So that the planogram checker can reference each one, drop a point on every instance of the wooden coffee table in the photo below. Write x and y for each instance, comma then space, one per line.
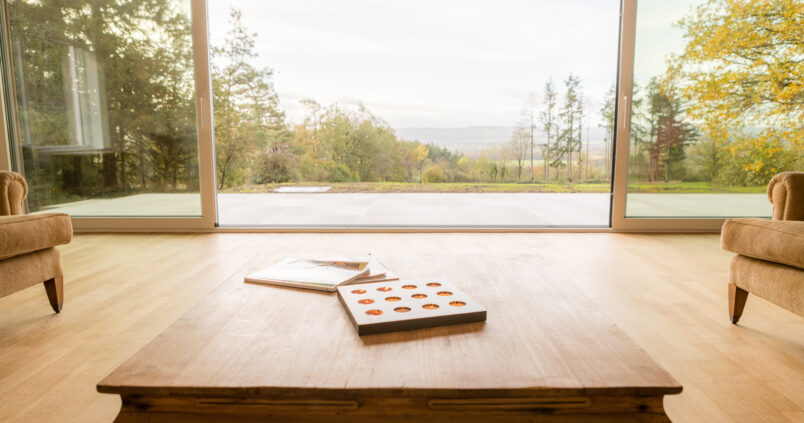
259, 353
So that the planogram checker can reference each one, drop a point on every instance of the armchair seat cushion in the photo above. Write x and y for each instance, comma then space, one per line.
22, 234
778, 241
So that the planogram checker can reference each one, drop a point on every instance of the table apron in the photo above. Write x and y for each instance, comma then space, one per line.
178, 408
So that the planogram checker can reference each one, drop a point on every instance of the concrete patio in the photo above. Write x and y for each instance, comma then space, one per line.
421, 209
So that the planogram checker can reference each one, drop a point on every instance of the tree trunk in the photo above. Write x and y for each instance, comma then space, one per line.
109, 170
587, 155
580, 150
547, 159
570, 147
142, 165
531, 145
123, 176
653, 166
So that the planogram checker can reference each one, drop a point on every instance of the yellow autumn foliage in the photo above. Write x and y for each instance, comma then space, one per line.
741, 75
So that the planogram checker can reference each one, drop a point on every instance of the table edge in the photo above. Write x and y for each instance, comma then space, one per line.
159, 391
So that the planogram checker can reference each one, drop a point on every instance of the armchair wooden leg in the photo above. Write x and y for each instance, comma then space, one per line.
55, 292
737, 297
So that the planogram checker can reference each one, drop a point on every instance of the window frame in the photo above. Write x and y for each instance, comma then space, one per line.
619, 221
206, 149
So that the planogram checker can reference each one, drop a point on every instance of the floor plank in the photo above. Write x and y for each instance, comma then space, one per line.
667, 292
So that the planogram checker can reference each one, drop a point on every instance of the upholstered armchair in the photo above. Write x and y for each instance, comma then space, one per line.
28, 254
770, 253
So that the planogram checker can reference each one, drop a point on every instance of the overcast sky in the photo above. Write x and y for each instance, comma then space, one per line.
441, 63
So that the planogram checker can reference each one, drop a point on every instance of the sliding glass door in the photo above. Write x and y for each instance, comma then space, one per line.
716, 107
414, 114
364, 114
106, 110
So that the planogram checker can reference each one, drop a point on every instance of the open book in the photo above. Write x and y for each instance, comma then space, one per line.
323, 275
377, 272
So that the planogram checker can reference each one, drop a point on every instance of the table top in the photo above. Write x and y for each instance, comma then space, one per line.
540, 335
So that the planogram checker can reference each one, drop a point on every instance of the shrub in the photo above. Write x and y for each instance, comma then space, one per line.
275, 168
339, 172
433, 175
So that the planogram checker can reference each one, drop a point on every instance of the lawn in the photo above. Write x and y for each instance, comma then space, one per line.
381, 187
694, 188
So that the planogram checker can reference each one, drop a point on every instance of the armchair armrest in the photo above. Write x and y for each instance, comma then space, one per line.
786, 193
13, 190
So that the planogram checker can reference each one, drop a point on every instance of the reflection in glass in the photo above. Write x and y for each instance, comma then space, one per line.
106, 105
717, 106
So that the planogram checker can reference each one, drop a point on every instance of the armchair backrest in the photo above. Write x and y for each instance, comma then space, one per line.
786, 193
13, 190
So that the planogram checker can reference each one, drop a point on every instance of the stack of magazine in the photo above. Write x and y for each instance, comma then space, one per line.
323, 274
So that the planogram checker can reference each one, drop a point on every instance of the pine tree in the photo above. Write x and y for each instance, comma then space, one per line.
549, 125
248, 120
569, 140
607, 122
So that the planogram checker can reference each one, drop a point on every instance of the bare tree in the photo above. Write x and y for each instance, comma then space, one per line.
517, 149
529, 123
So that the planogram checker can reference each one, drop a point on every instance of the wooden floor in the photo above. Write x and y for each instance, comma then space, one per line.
667, 292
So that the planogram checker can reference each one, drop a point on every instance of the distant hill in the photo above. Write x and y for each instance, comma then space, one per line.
474, 139
466, 135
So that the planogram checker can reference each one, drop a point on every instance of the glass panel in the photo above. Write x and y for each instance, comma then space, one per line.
106, 104
717, 106
421, 113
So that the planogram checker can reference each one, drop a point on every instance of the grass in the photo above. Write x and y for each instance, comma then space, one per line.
388, 187
399, 187
694, 188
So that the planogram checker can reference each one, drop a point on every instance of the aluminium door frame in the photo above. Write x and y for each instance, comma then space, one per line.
619, 221
207, 221
206, 150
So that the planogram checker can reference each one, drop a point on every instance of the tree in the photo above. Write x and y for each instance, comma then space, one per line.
708, 158
586, 160
549, 125
580, 110
248, 120
571, 115
142, 91
314, 115
529, 124
420, 153
741, 72
668, 133
517, 149
409, 154
607, 122
639, 131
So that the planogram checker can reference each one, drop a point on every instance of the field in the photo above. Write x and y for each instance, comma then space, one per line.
398, 187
